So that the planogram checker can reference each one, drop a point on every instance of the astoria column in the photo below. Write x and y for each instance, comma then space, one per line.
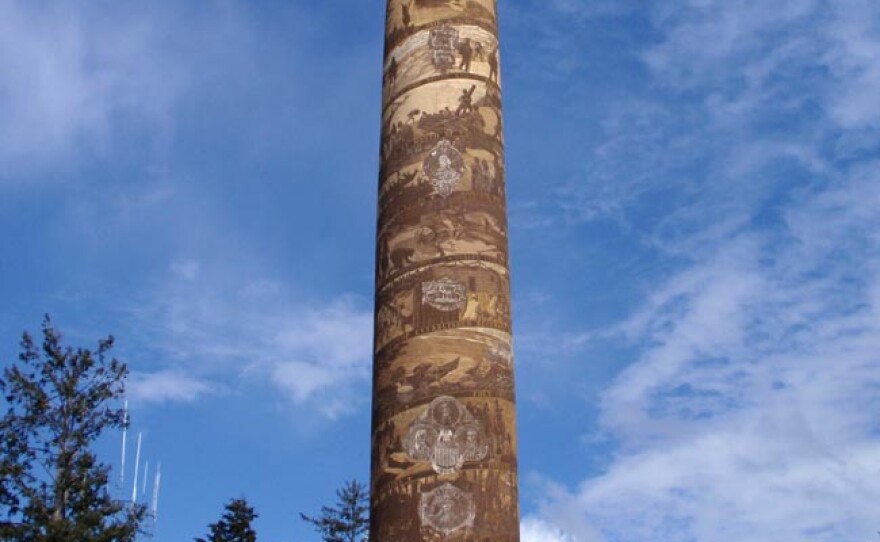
444, 435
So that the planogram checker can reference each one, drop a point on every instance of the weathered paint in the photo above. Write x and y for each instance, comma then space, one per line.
444, 427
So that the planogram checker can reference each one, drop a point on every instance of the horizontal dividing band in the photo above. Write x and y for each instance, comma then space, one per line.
500, 325
491, 465
438, 78
390, 412
436, 202
388, 282
413, 278
419, 274
387, 211
393, 39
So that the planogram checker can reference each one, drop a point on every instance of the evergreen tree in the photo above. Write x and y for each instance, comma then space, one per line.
349, 521
234, 526
52, 486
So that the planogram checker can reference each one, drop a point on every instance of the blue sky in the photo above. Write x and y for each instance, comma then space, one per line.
694, 194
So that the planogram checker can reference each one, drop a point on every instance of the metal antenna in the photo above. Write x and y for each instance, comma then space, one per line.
121, 481
155, 505
137, 462
146, 474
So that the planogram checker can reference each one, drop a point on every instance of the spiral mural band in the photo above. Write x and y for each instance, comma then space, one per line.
444, 434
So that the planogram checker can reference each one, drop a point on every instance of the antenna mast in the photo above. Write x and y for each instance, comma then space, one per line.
137, 461
155, 504
146, 474
121, 481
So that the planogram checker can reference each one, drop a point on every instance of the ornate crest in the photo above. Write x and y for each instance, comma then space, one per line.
445, 294
444, 167
447, 509
447, 435
443, 42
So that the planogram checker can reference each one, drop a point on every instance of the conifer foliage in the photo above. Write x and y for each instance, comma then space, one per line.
349, 521
235, 525
58, 401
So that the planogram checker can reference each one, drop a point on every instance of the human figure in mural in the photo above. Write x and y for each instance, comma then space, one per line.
406, 18
486, 174
465, 101
483, 178
477, 176
478, 51
467, 54
392, 69
493, 65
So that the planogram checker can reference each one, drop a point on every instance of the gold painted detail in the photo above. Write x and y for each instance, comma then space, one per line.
447, 509
447, 435
445, 294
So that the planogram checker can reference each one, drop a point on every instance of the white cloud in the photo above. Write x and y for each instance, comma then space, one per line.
536, 530
165, 386
597, 8
737, 89
67, 73
78, 79
186, 269
339, 333
336, 340
317, 355
853, 61
750, 412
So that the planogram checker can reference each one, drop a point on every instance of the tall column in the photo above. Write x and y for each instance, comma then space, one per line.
444, 434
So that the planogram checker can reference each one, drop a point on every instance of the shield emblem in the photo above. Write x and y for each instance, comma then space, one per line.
447, 457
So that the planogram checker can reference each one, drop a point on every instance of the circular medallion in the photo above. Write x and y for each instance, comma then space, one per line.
447, 509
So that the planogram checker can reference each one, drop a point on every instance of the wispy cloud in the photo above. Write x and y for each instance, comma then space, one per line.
167, 386
535, 530
68, 79
750, 409
324, 354
78, 78
218, 326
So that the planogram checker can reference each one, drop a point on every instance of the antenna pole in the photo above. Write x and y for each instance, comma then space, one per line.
121, 482
146, 474
137, 462
155, 506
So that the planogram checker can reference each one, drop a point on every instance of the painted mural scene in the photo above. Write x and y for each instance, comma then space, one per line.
320, 272
444, 426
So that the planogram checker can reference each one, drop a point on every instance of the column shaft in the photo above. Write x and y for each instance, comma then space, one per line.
444, 425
